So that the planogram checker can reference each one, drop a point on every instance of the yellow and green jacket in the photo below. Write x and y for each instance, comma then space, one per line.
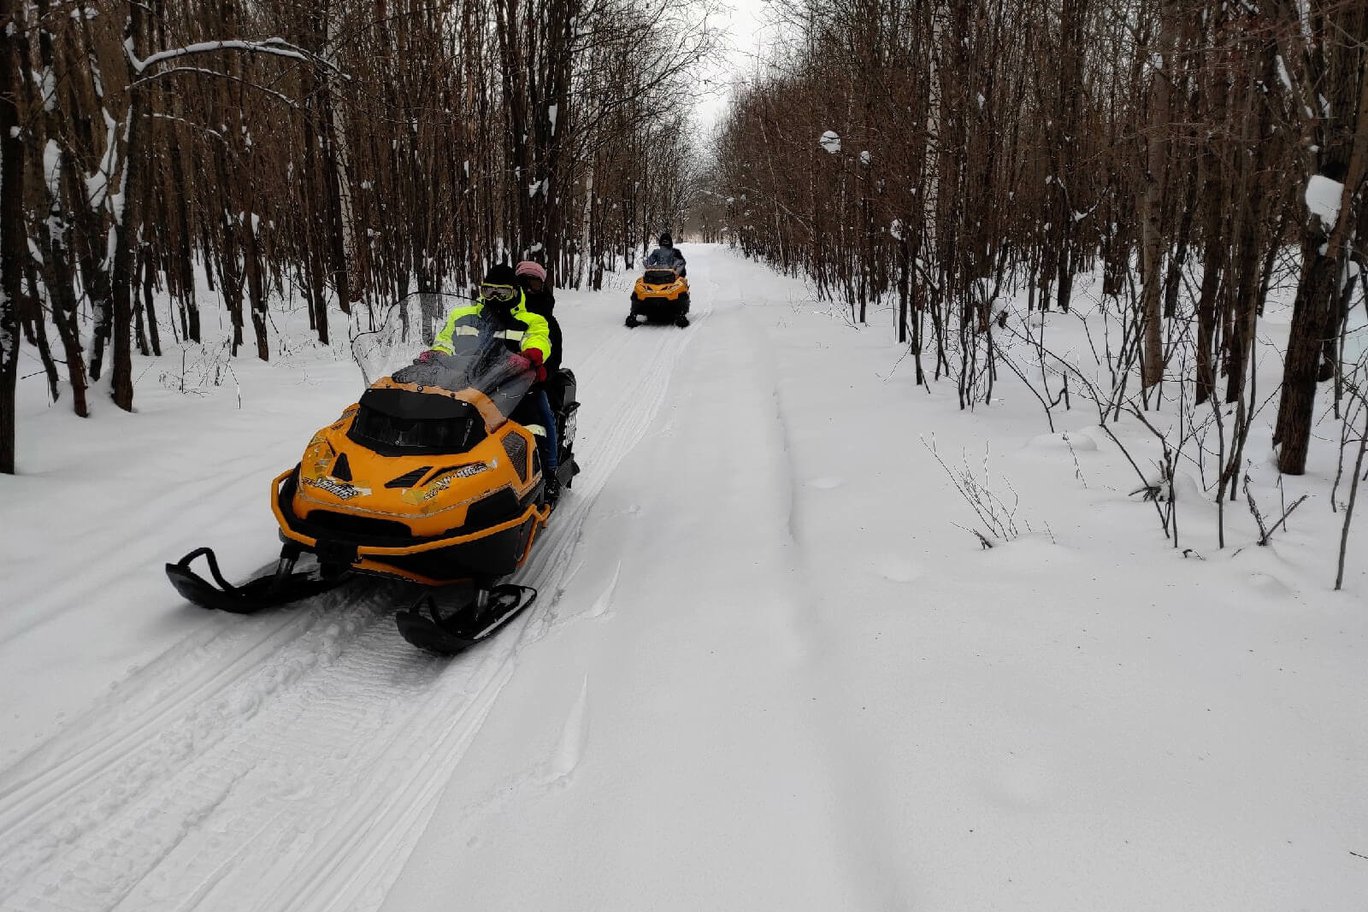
522, 329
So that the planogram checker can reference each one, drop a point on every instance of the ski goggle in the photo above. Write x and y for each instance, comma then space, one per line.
498, 292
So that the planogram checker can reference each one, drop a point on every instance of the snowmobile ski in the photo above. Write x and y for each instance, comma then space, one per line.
428, 626
279, 587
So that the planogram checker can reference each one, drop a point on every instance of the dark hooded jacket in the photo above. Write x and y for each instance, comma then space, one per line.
666, 255
543, 303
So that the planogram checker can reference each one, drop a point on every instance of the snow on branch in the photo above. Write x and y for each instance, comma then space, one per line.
278, 47
205, 71
1324, 197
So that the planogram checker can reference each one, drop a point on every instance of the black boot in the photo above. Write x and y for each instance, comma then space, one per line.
552, 488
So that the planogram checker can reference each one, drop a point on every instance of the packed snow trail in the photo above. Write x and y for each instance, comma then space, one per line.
766, 670
800, 686
287, 756
705, 773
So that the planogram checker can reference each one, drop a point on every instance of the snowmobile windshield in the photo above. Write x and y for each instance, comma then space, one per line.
384, 340
482, 371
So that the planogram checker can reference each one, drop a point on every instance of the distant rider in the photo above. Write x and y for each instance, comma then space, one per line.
501, 308
666, 255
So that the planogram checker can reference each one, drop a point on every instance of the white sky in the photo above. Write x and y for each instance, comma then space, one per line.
743, 23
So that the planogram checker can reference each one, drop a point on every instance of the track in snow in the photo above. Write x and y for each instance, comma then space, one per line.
295, 757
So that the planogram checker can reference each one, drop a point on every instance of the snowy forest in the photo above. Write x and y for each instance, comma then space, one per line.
1193, 153
343, 151
349, 151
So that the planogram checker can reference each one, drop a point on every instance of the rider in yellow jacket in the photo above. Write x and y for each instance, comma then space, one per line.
501, 310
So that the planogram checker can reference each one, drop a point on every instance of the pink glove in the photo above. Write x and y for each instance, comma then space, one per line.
519, 363
425, 357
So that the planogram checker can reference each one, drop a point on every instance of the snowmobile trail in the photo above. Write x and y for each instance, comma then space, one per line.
686, 706
767, 669
296, 756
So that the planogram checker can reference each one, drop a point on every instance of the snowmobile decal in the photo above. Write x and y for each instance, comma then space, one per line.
424, 493
340, 489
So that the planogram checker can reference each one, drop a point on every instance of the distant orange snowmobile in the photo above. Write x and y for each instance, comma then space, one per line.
428, 478
661, 295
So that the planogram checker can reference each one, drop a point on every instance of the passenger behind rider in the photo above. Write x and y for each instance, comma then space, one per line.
502, 308
667, 255
542, 301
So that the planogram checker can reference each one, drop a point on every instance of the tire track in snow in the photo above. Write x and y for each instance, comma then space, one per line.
105, 557
841, 750
119, 755
636, 407
631, 410
293, 758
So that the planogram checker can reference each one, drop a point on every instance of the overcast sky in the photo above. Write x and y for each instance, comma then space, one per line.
743, 22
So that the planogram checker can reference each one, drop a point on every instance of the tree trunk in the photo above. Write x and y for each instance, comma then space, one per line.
31, 312
1315, 312
11, 236
1151, 202
149, 272
128, 224
256, 286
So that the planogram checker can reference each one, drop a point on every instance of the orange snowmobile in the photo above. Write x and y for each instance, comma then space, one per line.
661, 295
429, 478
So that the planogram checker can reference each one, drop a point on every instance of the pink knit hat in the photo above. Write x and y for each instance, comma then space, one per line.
529, 268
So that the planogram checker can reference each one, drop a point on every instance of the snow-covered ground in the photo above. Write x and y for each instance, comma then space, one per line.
767, 671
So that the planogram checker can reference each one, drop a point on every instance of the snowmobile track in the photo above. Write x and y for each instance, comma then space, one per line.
300, 752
